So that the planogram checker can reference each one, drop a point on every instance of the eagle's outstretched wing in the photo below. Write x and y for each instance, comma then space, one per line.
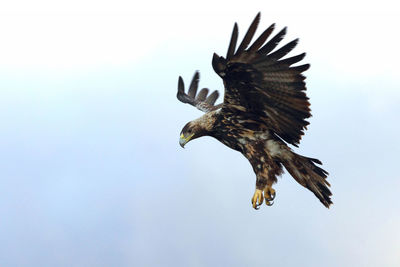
201, 100
261, 84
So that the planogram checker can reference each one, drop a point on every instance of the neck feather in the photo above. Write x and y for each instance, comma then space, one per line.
207, 121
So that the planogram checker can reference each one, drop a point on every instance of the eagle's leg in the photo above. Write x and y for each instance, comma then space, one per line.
266, 169
257, 197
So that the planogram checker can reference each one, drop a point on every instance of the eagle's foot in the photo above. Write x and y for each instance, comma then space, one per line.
257, 197
269, 195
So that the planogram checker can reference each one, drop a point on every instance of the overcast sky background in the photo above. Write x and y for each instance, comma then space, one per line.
91, 172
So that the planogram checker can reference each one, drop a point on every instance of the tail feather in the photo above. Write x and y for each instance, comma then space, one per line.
309, 175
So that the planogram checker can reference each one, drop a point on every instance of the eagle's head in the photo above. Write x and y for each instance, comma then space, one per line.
192, 130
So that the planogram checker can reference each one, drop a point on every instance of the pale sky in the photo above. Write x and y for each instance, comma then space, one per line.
91, 170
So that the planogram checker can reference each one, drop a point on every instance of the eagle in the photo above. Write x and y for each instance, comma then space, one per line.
264, 110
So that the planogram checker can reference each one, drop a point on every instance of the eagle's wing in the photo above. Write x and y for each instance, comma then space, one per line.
260, 84
201, 100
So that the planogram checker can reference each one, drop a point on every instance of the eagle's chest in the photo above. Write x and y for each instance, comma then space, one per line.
239, 134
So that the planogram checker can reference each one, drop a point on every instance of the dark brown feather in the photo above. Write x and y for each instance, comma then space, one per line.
181, 86
232, 43
268, 47
309, 175
212, 98
201, 96
291, 60
284, 50
263, 37
193, 85
249, 35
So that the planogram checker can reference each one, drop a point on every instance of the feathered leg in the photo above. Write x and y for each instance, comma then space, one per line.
266, 172
266, 169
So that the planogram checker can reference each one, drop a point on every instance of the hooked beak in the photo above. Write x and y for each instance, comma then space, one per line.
183, 140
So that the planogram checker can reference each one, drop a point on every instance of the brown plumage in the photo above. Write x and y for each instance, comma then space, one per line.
264, 108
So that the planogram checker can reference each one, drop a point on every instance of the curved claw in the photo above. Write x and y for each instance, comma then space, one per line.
269, 203
269, 193
272, 196
257, 197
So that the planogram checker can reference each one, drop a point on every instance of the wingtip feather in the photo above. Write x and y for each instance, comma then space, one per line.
249, 34
269, 46
181, 85
232, 43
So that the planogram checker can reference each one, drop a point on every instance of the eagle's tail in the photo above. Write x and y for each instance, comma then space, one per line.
309, 175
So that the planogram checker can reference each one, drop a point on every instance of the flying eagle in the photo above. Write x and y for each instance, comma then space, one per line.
265, 108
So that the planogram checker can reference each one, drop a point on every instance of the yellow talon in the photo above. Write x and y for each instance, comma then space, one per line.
257, 197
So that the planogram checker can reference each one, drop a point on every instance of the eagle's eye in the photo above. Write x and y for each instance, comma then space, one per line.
190, 131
